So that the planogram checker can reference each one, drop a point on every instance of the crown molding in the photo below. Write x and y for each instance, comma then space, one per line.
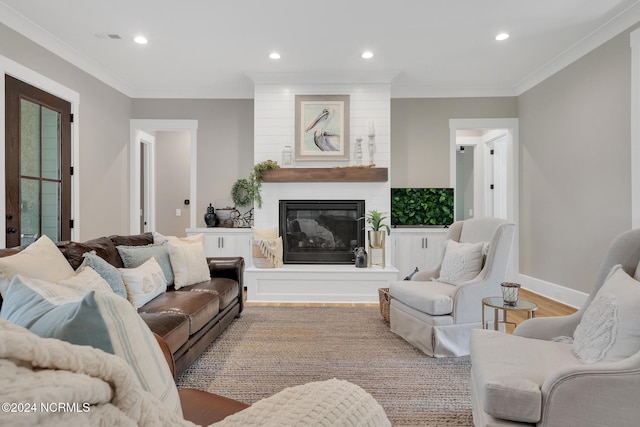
39, 35
409, 91
619, 23
616, 25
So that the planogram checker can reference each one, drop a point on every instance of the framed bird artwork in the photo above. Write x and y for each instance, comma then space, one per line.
322, 127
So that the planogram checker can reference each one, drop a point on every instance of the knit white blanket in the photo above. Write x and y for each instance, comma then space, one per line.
51, 382
54, 383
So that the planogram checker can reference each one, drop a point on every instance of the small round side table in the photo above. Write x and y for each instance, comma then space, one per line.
497, 303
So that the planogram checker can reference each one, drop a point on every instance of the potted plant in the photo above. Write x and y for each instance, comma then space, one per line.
376, 234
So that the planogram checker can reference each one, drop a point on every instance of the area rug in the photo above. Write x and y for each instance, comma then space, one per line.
270, 348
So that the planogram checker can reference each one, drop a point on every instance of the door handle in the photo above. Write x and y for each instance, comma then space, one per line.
11, 230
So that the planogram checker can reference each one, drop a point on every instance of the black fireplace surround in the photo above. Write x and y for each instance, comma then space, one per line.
321, 231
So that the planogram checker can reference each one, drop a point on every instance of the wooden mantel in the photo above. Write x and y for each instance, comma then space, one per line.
338, 174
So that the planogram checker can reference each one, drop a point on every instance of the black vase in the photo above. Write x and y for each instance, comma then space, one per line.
210, 216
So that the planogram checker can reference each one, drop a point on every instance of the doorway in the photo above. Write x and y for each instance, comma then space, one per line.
37, 164
150, 127
495, 164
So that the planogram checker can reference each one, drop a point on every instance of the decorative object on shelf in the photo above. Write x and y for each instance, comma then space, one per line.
210, 217
358, 152
361, 257
372, 143
226, 216
245, 220
412, 207
322, 127
287, 156
247, 191
242, 192
376, 237
510, 293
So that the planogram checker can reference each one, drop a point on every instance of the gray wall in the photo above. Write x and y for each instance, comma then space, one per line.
420, 135
225, 141
103, 140
575, 182
173, 178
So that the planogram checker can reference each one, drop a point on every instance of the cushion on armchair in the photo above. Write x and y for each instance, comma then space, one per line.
462, 262
433, 298
610, 327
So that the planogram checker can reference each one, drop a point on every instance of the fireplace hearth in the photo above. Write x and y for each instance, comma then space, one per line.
321, 231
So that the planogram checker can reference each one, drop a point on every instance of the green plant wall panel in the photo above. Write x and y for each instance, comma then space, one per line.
421, 206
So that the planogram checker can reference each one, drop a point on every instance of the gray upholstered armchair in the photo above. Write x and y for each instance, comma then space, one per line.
437, 316
576, 370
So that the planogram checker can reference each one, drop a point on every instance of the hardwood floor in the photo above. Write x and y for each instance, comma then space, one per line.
546, 307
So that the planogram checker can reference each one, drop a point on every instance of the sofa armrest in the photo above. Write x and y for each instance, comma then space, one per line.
231, 268
601, 393
204, 408
167, 354
546, 328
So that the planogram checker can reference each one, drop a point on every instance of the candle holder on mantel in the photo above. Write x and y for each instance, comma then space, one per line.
358, 153
372, 143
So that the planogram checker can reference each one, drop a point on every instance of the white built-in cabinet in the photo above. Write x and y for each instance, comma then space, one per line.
416, 247
220, 241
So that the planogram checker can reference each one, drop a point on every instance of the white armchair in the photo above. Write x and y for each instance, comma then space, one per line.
530, 377
437, 317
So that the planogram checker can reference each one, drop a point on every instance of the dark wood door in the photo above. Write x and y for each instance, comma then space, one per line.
37, 164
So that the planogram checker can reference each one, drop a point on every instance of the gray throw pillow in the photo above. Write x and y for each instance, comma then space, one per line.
107, 271
135, 256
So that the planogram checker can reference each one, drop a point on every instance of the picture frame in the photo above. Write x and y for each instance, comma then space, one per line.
322, 127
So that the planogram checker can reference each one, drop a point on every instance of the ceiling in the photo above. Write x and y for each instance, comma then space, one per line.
216, 49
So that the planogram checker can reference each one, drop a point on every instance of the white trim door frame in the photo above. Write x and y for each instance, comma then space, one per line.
139, 127
147, 142
20, 72
512, 162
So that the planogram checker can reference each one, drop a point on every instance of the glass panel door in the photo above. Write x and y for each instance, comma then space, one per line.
40, 179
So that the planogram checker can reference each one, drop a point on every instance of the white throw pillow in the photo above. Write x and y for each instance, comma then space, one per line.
87, 279
145, 282
610, 327
41, 260
159, 239
189, 264
462, 262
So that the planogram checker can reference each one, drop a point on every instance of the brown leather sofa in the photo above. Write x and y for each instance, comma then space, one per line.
188, 319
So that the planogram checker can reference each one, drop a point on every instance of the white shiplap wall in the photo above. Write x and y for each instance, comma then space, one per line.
274, 127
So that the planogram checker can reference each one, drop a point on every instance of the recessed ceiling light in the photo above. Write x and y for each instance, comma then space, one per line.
274, 55
367, 54
502, 36
141, 40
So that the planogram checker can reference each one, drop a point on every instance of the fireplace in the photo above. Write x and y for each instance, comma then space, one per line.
321, 231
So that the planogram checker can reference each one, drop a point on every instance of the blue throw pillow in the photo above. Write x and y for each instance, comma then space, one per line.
98, 319
107, 271
135, 256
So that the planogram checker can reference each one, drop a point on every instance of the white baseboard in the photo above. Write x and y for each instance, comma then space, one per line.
552, 291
